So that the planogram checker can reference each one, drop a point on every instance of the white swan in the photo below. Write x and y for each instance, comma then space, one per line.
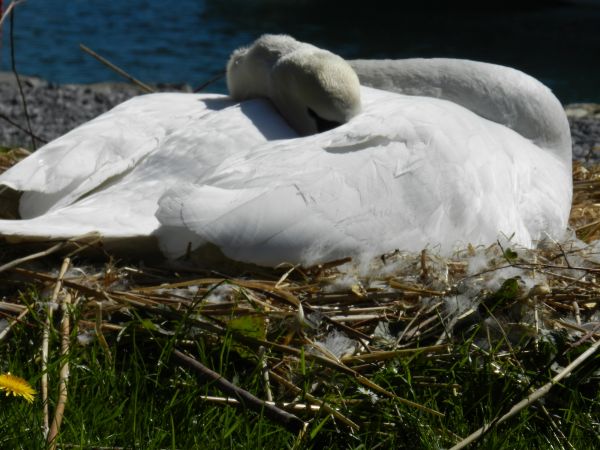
474, 151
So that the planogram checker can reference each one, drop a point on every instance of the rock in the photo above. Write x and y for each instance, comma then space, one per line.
584, 119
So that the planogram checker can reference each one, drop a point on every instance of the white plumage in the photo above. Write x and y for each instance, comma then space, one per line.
406, 172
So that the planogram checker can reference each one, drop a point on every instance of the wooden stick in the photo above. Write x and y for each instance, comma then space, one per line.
14, 70
217, 77
386, 355
64, 372
46, 342
577, 313
33, 256
286, 405
287, 420
99, 334
9, 9
12, 323
116, 69
265, 372
25, 130
321, 404
55, 248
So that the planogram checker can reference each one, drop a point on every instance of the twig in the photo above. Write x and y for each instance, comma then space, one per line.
288, 405
33, 256
99, 334
424, 275
558, 434
328, 362
93, 236
46, 342
533, 397
405, 287
387, 355
12, 323
289, 421
265, 372
342, 368
322, 405
587, 333
585, 337
409, 325
64, 370
116, 69
25, 130
9, 9
14, 69
217, 77
284, 277
577, 313
562, 251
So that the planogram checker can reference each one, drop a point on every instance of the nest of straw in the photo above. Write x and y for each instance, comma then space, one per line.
347, 323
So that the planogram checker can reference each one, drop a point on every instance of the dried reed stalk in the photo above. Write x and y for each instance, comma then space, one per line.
8, 10
17, 262
322, 405
46, 341
285, 405
116, 69
64, 372
12, 323
271, 411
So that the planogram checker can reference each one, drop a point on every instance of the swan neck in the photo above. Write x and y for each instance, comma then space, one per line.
497, 93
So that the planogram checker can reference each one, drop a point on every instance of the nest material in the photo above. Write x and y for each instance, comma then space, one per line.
585, 212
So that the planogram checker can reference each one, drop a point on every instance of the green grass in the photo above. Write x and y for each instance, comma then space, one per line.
144, 399
136, 394
139, 400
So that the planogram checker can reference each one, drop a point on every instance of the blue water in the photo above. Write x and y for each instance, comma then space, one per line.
190, 40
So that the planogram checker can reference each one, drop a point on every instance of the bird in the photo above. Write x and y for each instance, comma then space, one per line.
310, 158
313, 89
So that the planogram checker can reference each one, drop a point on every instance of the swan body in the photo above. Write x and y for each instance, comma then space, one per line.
196, 171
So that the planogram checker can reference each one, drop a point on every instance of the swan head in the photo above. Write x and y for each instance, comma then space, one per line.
313, 89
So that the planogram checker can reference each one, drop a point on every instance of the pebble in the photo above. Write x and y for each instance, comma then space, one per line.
584, 119
55, 109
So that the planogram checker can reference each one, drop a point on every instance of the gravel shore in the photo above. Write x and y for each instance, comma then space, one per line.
55, 109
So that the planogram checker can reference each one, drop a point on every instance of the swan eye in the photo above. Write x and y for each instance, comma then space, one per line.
323, 124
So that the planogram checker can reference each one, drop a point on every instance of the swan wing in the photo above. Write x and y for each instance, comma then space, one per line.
106, 148
188, 135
